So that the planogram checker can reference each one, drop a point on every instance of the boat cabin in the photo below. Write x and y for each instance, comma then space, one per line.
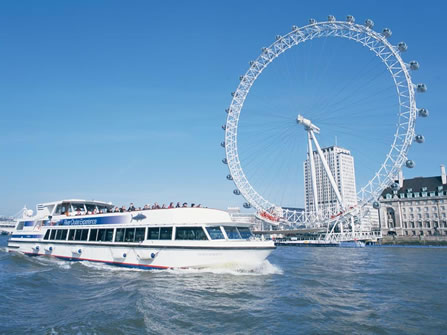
74, 207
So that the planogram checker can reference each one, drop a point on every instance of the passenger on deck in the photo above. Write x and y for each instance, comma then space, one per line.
199, 205
192, 205
178, 205
116, 210
146, 207
123, 209
131, 207
171, 205
163, 207
185, 204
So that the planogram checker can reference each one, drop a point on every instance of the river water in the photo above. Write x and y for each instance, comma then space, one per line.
375, 290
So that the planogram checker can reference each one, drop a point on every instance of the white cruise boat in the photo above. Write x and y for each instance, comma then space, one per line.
148, 239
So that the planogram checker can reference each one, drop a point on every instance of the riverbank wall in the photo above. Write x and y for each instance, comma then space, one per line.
414, 240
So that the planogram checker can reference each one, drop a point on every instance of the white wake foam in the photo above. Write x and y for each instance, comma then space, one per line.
265, 269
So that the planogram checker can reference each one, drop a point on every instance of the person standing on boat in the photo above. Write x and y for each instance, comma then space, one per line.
178, 205
131, 207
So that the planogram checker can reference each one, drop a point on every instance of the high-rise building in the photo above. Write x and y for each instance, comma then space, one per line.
341, 165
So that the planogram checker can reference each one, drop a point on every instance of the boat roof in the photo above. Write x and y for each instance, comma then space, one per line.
97, 202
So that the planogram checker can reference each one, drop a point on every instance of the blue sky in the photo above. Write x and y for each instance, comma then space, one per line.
123, 101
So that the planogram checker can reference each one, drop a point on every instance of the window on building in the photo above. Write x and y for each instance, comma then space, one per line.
418, 209
426, 209
411, 209
428, 225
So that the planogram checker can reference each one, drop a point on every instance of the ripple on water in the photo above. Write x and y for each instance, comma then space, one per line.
327, 290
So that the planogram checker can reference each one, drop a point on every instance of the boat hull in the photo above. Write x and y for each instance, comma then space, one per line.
148, 257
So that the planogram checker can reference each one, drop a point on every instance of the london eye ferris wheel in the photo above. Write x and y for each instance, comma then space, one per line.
316, 77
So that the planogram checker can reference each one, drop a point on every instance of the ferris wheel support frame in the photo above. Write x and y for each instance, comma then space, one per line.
399, 70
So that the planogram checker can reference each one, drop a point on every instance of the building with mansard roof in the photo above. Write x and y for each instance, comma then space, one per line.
417, 208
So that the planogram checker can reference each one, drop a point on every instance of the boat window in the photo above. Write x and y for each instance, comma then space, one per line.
47, 235
130, 235
153, 233
53, 234
63, 209
166, 233
102, 209
232, 233
244, 232
139, 234
215, 233
64, 234
78, 235
190, 233
93, 233
59, 234
90, 208
109, 235
58, 210
84, 234
119, 237
20, 226
79, 208
101, 235
71, 234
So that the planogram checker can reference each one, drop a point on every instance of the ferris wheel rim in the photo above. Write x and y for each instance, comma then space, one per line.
376, 43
